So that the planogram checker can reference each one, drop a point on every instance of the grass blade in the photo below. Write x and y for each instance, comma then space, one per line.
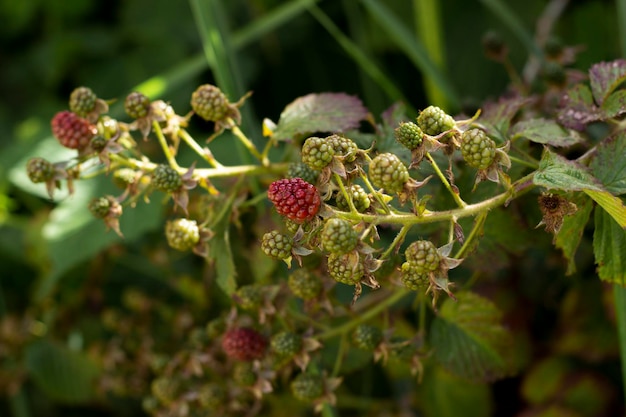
414, 50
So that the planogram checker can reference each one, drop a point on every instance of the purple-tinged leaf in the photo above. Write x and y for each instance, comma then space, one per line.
605, 77
544, 131
324, 112
578, 108
496, 116
609, 163
556, 172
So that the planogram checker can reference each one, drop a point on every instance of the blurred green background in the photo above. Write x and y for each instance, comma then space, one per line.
419, 52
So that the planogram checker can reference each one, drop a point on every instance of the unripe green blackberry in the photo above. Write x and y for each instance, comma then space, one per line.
423, 256
387, 171
343, 147
286, 344
98, 143
249, 297
291, 226
211, 396
165, 389
137, 105
166, 179
149, 404
304, 284
360, 199
276, 245
243, 374
413, 278
82, 101
317, 153
338, 236
307, 387
182, 234
346, 268
302, 170
100, 207
367, 337
477, 148
39, 170
434, 121
208, 102
409, 135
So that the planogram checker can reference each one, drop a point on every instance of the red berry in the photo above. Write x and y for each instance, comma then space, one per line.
244, 344
71, 130
295, 199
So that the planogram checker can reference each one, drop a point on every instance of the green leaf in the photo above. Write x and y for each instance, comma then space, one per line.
446, 395
544, 131
221, 253
469, 340
497, 116
325, 112
545, 380
605, 77
63, 375
609, 247
568, 237
611, 204
615, 104
556, 172
609, 163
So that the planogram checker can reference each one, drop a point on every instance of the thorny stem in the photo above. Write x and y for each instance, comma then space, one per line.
166, 149
397, 241
445, 182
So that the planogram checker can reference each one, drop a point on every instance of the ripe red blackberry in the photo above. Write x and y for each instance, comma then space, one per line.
295, 199
244, 344
72, 131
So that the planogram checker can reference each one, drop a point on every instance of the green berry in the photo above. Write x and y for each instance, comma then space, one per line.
360, 199
276, 245
307, 387
249, 297
343, 147
387, 171
208, 102
182, 234
367, 337
302, 170
82, 101
137, 105
39, 170
304, 284
423, 256
149, 404
317, 153
434, 121
346, 268
98, 143
165, 389
102, 207
414, 278
338, 236
286, 344
477, 148
409, 135
243, 374
124, 177
211, 395
166, 179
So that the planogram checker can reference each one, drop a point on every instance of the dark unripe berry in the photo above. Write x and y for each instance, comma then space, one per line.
71, 130
166, 179
367, 337
478, 149
304, 284
409, 135
338, 236
360, 199
137, 105
286, 344
82, 101
182, 234
100, 207
39, 170
317, 153
208, 102
387, 171
307, 387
